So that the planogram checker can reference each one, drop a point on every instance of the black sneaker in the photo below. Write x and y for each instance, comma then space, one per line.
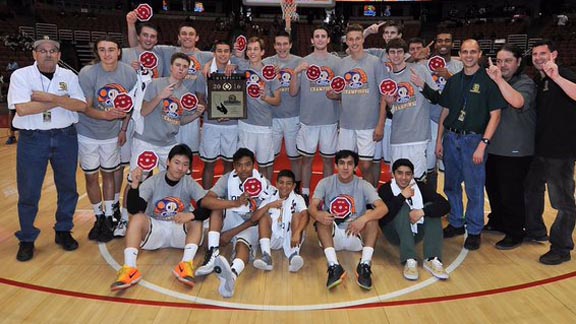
508, 243
25, 251
335, 275
116, 212
66, 240
106, 230
363, 276
94, 233
536, 239
11, 140
472, 242
553, 257
451, 231
209, 260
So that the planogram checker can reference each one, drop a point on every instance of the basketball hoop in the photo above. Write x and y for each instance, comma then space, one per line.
288, 12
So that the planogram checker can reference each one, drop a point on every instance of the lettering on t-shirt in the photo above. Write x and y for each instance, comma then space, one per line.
172, 110
406, 97
167, 208
356, 82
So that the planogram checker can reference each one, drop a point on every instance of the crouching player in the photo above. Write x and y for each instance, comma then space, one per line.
281, 223
163, 217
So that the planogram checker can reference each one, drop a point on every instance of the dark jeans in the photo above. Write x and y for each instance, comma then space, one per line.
559, 175
35, 149
505, 188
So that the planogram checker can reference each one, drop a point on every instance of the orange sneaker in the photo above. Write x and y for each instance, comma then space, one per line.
127, 276
184, 272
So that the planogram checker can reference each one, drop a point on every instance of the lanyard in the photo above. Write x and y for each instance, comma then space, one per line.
467, 93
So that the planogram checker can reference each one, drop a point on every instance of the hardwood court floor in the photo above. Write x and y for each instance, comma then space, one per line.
485, 286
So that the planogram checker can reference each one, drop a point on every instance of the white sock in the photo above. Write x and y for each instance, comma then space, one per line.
213, 239
124, 213
116, 197
189, 252
108, 210
130, 255
97, 208
295, 250
306, 191
265, 245
238, 266
367, 254
330, 254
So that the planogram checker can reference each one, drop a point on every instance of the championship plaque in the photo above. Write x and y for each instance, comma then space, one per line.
227, 96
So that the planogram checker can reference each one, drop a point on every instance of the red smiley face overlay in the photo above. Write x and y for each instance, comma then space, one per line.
123, 102
338, 84
252, 187
340, 207
241, 43
147, 161
253, 91
144, 12
189, 101
436, 62
388, 87
269, 72
313, 72
148, 60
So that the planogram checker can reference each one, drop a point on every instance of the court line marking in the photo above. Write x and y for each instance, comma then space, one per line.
347, 304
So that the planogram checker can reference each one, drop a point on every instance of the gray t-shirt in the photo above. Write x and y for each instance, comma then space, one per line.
411, 122
197, 61
354, 195
259, 112
315, 108
289, 106
516, 132
361, 97
165, 201
453, 66
163, 123
132, 54
103, 87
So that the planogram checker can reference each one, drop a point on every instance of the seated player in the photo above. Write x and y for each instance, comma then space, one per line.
244, 189
415, 212
343, 222
163, 217
281, 223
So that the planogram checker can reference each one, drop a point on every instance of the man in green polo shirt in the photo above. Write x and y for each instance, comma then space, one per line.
471, 105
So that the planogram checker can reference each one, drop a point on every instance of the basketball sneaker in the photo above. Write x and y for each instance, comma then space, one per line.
209, 259
116, 212
435, 267
411, 269
120, 230
364, 275
94, 233
296, 262
106, 229
126, 277
335, 275
184, 272
226, 276
264, 263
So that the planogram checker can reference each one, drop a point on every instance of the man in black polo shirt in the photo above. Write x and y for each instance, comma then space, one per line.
555, 154
471, 110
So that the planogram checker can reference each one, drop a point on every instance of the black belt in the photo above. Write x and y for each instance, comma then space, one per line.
461, 132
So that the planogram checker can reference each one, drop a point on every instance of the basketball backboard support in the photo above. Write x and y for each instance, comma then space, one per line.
301, 3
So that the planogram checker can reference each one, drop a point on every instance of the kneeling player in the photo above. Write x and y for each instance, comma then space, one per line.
281, 223
163, 217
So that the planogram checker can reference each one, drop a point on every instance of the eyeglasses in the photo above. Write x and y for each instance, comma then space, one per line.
44, 52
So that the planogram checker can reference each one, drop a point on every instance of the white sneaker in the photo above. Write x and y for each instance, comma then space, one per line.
120, 230
436, 268
226, 276
264, 263
296, 263
208, 265
411, 269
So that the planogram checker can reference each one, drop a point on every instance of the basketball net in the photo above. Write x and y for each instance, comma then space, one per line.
288, 12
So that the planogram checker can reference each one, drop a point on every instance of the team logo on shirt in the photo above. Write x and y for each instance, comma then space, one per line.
172, 110
285, 76
342, 207
440, 81
167, 208
63, 86
388, 66
405, 97
194, 68
107, 94
356, 79
253, 84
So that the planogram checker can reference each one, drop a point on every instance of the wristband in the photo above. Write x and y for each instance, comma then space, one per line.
485, 141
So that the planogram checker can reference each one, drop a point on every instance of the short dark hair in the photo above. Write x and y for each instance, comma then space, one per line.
415, 40
106, 38
397, 43
186, 24
392, 23
139, 27
516, 52
342, 154
242, 152
287, 174
548, 42
283, 33
222, 42
354, 27
320, 27
180, 149
179, 55
402, 162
